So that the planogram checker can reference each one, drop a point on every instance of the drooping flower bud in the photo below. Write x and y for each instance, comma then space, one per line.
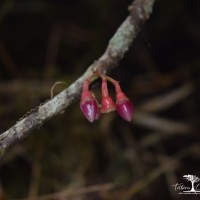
124, 106
107, 104
88, 103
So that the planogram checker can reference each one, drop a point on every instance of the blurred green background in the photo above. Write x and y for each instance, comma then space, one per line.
44, 41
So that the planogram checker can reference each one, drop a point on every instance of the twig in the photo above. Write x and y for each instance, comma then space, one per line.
36, 172
7, 61
52, 51
140, 11
31, 86
160, 124
167, 100
173, 163
73, 192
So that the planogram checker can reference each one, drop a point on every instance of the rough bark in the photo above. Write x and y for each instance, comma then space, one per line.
140, 11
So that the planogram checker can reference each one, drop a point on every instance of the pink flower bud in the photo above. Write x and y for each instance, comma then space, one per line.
124, 106
90, 109
125, 109
107, 104
88, 104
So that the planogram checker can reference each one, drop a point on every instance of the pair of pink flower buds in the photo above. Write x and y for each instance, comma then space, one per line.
89, 105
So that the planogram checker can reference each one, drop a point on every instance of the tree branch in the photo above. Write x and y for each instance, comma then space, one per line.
140, 11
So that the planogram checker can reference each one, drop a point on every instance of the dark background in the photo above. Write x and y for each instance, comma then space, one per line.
45, 41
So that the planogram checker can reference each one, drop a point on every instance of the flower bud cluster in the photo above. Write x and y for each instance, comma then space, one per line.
91, 109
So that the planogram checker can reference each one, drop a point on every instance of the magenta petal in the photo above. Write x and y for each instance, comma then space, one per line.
90, 109
125, 109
